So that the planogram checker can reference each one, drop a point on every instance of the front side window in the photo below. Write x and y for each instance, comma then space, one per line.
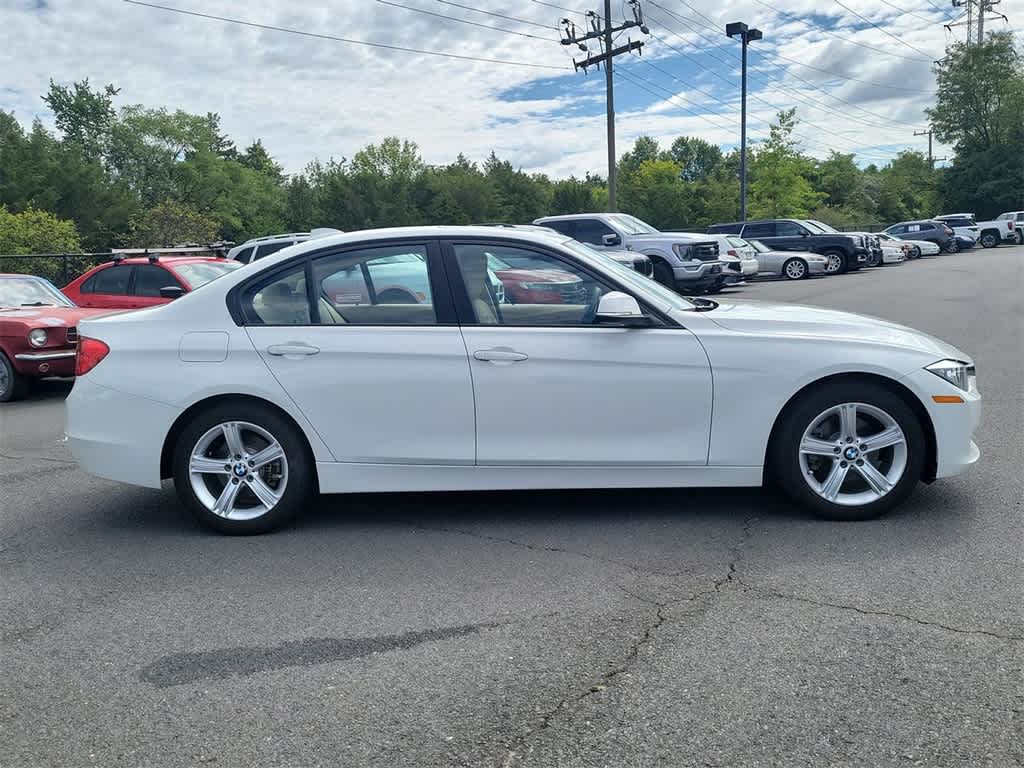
113, 280
592, 231
149, 279
789, 229
536, 289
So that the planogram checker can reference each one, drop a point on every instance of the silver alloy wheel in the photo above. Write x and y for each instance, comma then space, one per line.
853, 454
795, 269
238, 470
834, 264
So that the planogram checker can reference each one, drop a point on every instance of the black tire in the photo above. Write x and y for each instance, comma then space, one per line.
844, 264
952, 246
1020, 237
990, 238
711, 289
915, 252
13, 386
874, 260
300, 469
784, 452
797, 266
663, 274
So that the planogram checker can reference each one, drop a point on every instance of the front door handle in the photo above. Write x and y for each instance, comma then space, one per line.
499, 355
292, 348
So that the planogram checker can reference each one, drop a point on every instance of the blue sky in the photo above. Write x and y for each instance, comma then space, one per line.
858, 88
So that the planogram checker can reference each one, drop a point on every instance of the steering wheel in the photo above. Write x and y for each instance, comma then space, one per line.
593, 300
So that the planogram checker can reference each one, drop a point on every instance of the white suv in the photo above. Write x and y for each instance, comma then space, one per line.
258, 247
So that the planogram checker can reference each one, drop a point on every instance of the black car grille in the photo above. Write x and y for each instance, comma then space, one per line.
715, 270
704, 251
644, 266
734, 266
72, 335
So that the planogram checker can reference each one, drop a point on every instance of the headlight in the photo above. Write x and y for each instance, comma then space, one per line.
957, 373
37, 337
682, 250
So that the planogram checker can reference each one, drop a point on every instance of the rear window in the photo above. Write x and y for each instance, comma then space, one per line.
201, 273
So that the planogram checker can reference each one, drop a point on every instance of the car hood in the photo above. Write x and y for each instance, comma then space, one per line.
50, 316
800, 320
687, 237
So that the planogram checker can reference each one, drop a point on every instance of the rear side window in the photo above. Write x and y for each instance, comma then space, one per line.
565, 227
112, 280
244, 255
149, 279
788, 229
759, 229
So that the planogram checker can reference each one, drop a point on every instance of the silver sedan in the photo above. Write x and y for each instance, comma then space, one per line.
792, 265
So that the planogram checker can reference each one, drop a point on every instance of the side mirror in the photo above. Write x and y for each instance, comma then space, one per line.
611, 240
804, 233
172, 292
620, 309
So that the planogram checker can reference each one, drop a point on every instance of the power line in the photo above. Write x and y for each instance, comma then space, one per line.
498, 15
320, 36
804, 22
463, 21
560, 8
883, 30
914, 14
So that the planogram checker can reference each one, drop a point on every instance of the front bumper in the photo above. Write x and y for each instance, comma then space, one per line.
46, 362
816, 267
954, 423
704, 277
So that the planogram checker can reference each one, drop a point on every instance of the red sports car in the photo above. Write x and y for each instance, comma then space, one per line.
38, 332
138, 282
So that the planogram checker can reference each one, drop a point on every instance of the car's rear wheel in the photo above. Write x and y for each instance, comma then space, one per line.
915, 252
12, 384
989, 239
953, 246
794, 269
1020, 237
242, 468
849, 451
835, 263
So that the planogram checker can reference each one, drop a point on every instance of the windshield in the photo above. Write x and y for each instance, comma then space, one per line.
631, 225
30, 292
202, 272
652, 291
819, 227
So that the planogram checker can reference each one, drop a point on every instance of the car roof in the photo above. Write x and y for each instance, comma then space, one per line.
567, 216
165, 260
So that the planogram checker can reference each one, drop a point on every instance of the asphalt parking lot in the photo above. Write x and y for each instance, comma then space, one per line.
626, 628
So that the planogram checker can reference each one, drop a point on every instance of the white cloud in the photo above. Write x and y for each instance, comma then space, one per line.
319, 98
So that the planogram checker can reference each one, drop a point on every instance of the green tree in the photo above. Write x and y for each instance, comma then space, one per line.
173, 223
697, 159
83, 115
645, 148
656, 193
35, 231
521, 197
780, 183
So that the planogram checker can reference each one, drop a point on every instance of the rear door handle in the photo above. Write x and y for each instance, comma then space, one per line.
499, 355
292, 348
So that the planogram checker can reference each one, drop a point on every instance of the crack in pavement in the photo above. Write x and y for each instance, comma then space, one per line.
543, 548
875, 612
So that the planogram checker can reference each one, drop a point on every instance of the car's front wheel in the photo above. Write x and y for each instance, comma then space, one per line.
835, 263
794, 269
12, 384
989, 239
242, 468
849, 451
953, 246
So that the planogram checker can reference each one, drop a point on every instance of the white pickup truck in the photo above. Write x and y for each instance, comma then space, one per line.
988, 233
1017, 217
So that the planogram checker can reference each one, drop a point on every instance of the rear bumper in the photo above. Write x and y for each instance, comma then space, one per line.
100, 442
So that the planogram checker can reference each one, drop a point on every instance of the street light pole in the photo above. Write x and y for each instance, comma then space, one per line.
746, 36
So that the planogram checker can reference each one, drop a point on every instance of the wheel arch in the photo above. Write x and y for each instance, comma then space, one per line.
167, 450
901, 391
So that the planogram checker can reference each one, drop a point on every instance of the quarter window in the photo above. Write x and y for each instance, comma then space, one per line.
281, 300
268, 248
244, 255
508, 285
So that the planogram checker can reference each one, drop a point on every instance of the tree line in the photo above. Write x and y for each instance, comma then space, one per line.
146, 177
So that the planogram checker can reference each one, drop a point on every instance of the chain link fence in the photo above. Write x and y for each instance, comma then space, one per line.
59, 268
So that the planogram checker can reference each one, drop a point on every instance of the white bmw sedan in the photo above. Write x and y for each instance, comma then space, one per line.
388, 360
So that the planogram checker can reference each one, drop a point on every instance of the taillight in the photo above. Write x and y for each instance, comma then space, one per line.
90, 353
1009, 225
732, 252
949, 231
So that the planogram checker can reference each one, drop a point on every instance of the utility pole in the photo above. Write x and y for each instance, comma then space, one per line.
932, 160
601, 29
976, 14
747, 35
